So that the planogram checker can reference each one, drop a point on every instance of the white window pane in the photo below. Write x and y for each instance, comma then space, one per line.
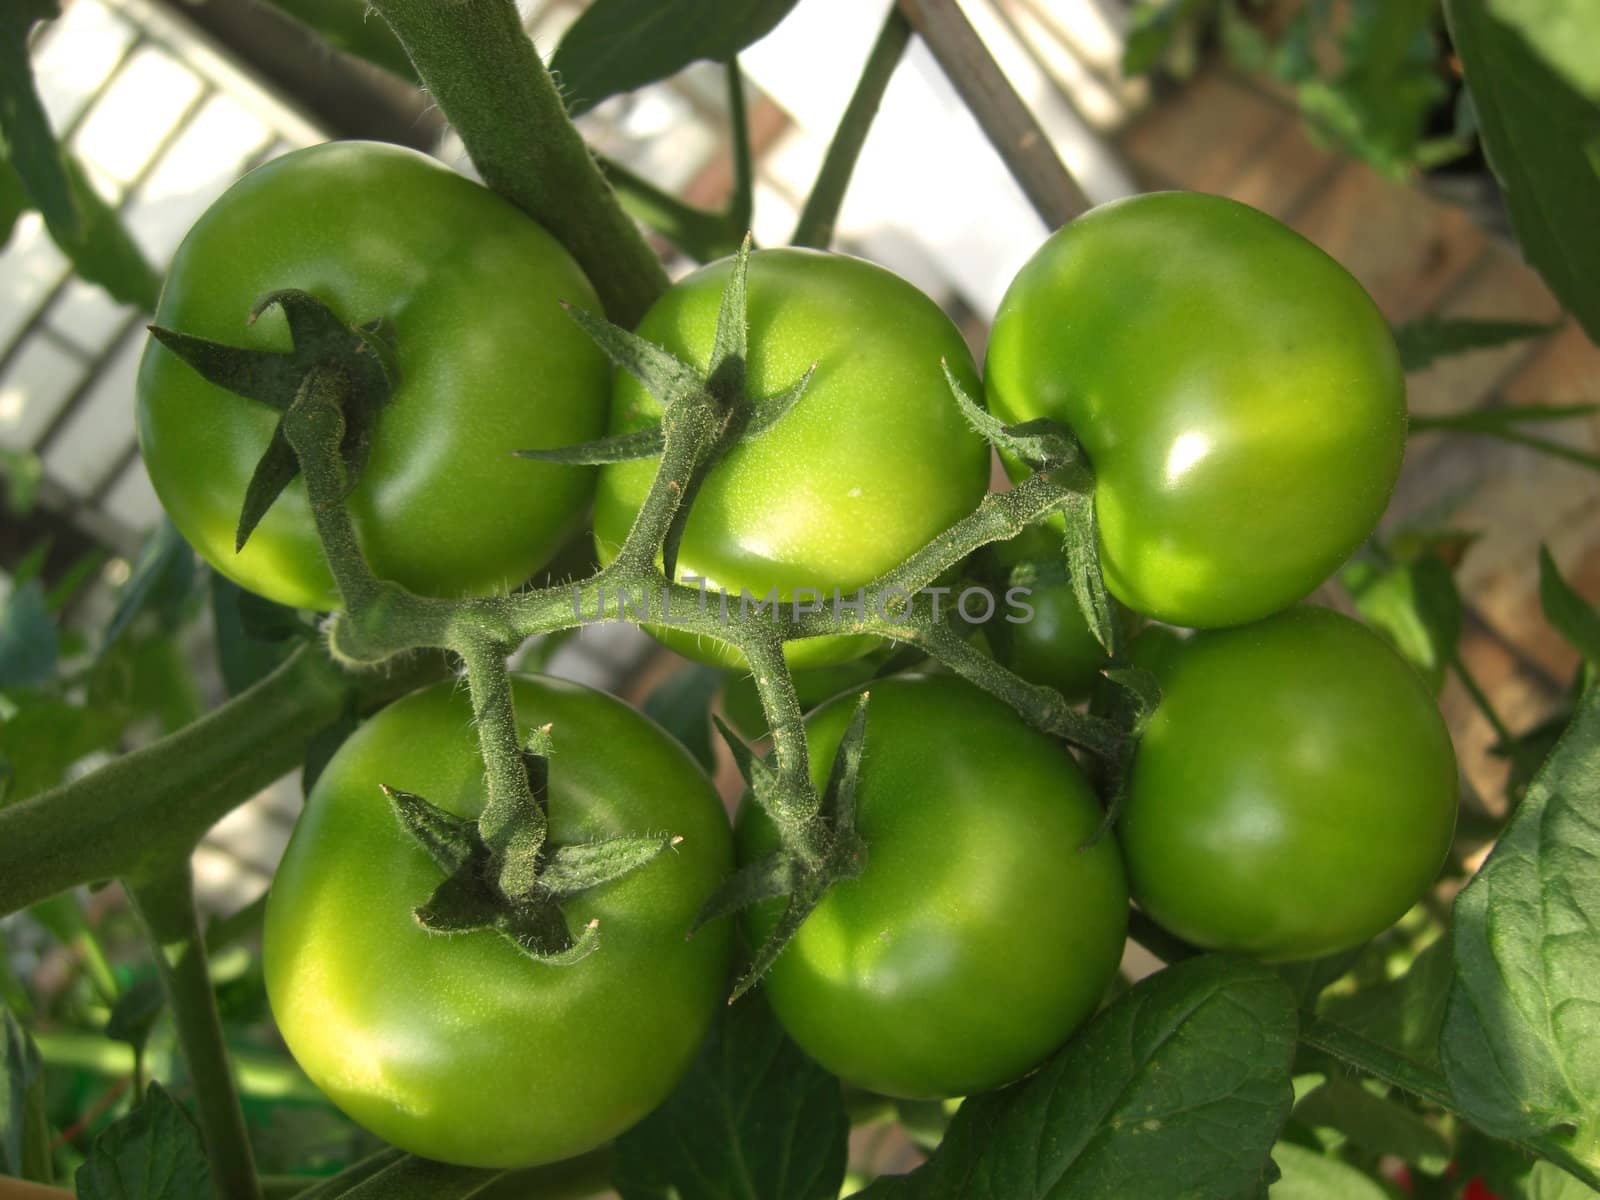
132, 501
121, 133
30, 266
74, 55
100, 429
33, 389
87, 316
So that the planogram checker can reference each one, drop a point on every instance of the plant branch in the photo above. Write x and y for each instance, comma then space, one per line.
1480, 699
1008, 123
816, 224
479, 64
741, 204
1474, 424
165, 904
512, 825
171, 791
701, 235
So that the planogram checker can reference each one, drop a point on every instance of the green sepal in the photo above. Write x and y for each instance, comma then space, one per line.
753, 769
663, 374
582, 865
363, 354
1042, 444
624, 447
766, 413
846, 856
449, 840
752, 883
1083, 565
725, 375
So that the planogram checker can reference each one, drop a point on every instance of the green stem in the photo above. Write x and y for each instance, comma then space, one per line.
477, 61
413, 1178
1480, 698
338, 1185
513, 826
793, 804
700, 234
1380, 1062
1464, 424
816, 224
171, 791
165, 904
742, 204
1168, 947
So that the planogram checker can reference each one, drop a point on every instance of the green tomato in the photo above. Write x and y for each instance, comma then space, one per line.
459, 1047
1237, 393
489, 363
1294, 793
1044, 638
872, 462
981, 931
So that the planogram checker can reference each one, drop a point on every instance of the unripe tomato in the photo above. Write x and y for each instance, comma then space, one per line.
1295, 791
1237, 393
458, 1047
872, 462
489, 363
982, 930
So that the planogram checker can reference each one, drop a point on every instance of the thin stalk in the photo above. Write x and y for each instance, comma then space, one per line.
513, 826
478, 62
1006, 120
165, 904
816, 224
1462, 424
742, 204
1480, 699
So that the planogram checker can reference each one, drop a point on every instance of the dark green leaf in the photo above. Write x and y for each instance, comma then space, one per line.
153, 1153
1178, 1090
102, 250
243, 656
322, 749
23, 473
1373, 1122
354, 27
28, 643
24, 1134
754, 1119
1416, 606
1562, 32
1569, 613
1428, 338
619, 45
1540, 135
25, 134
1155, 24
1309, 1175
13, 198
1402, 1014
681, 705
160, 580
1523, 1014
135, 1012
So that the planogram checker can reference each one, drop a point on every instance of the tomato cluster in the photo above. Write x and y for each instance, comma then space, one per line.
1239, 401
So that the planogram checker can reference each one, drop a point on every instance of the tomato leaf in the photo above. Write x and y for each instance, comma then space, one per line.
150, 1154
24, 1133
253, 635
1542, 139
682, 706
619, 45
1524, 1009
28, 642
754, 1119
1416, 606
1373, 1122
25, 133
1402, 1014
1569, 613
1309, 1175
1177, 1090
1422, 341
161, 580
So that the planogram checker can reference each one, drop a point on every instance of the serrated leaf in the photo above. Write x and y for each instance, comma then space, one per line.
681, 705
754, 1119
24, 1135
1539, 134
153, 1153
1523, 1013
1375, 1123
1422, 341
619, 45
1569, 613
1177, 1090
1310, 1175
28, 643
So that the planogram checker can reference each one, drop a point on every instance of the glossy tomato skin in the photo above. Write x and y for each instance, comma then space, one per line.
980, 933
1237, 392
489, 363
1295, 791
458, 1047
1051, 642
872, 462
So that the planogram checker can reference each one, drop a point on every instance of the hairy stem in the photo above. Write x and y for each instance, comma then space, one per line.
165, 904
816, 224
477, 61
513, 826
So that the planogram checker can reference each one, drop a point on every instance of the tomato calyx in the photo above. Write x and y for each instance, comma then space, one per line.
472, 896
712, 405
804, 879
361, 357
